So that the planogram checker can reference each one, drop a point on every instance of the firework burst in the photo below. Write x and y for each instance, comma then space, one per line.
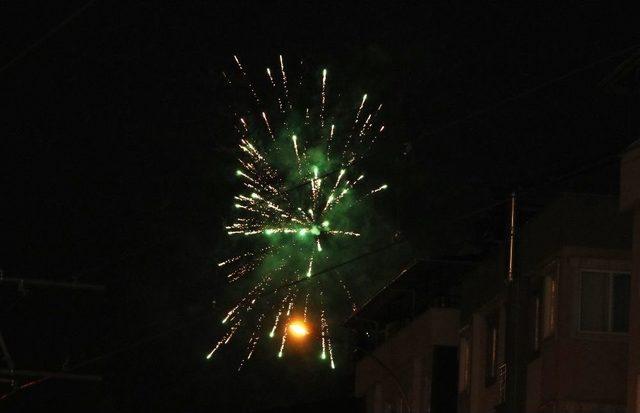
300, 184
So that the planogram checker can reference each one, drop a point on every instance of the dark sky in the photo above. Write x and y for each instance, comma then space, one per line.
115, 156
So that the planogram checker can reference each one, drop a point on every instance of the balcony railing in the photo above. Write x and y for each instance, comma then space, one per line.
502, 383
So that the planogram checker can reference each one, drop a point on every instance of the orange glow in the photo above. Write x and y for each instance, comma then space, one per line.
298, 329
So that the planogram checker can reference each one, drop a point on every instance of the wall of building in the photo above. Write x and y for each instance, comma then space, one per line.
483, 395
630, 201
534, 385
633, 400
596, 361
574, 367
409, 355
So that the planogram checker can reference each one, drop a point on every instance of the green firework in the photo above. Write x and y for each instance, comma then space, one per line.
300, 206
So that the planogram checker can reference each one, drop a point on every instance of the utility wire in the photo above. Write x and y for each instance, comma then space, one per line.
528, 92
571, 174
333, 172
361, 256
184, 325
484, 110
46, 36
327, 270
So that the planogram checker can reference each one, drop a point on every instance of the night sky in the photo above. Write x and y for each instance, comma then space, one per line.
117, 165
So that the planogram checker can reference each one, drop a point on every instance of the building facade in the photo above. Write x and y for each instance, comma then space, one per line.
563, 336
409, 345
556, 338
630, 201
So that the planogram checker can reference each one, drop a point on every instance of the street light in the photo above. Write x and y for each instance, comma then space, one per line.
298, 329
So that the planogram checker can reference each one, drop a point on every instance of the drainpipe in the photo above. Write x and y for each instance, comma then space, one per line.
512, 236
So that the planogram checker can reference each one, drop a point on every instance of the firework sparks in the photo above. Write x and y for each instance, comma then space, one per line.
284, 81
324, 98
266, 121
292, 232
294, 138
244, 74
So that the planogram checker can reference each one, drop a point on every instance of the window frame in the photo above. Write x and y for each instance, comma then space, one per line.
548, 322
464, 371
535, 319
492, 347
611, 275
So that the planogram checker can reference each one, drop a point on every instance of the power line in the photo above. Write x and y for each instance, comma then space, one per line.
46, 36
51, 374
528, 92
334, 267
326, 270
571, 174
183, 325
483, 110
22, 282
333, 172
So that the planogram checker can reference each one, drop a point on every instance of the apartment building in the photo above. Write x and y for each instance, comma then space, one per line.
556, 339
408, 342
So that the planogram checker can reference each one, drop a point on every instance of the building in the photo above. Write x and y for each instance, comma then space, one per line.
630, 201
408, 337
556, 338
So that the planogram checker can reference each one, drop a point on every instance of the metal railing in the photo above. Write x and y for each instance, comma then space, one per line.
502, 383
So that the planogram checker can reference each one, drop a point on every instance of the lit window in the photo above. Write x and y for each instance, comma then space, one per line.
464, 366
549, 301
604, 302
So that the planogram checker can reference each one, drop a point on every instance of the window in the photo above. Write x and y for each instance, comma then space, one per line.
549, 301
464, 366
604, 302
534, 323
492, 348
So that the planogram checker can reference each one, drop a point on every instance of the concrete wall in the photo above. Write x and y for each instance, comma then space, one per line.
630, 179
596, 361
534, 386
633, 400
589, 369
482, 396
630, 201
409, 355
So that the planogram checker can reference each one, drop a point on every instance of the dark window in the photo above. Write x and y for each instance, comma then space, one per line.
604, 302
621, 288
444, 398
